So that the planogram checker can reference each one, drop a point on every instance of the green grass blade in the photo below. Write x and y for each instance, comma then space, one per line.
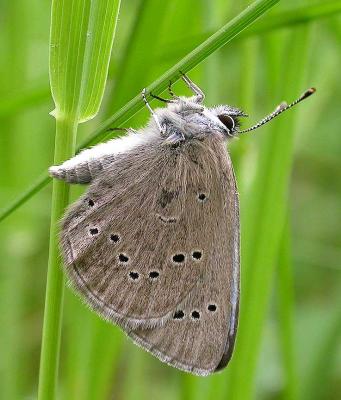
102, 32
76, 36
217, 40
64, 148
78, 78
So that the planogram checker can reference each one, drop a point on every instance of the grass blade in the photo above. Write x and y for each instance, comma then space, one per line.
64, 148
217, 40
80, 31
78, 79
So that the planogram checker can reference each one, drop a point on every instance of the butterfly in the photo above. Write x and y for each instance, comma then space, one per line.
153, 244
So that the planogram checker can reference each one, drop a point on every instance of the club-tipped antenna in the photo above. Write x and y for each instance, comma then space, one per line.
281, 108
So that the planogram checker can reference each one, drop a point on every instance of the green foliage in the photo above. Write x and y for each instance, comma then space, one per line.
288, 176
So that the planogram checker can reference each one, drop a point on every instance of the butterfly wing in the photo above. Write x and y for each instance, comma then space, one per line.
135, 245
200, 336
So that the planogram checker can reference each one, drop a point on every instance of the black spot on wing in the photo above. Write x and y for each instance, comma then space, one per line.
178, 258
178, 314
154, 274
197, 255
195, 314
114, 238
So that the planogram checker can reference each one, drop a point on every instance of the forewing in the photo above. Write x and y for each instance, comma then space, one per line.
200, 336
134, 244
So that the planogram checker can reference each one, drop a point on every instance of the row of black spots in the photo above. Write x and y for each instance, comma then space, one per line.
153, 275
122, 258
195, 314
181, 257
114, 237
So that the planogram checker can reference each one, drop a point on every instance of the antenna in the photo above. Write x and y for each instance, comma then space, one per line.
281, 108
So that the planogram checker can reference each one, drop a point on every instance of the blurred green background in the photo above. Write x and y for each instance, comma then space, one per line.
289, 178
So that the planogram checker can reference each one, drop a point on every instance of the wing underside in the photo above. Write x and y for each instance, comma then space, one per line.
154, 247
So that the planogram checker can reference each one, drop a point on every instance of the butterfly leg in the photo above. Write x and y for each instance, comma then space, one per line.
156, 119
170, 90
161, 98
199, 95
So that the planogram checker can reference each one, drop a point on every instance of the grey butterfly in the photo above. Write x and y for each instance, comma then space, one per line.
153, 245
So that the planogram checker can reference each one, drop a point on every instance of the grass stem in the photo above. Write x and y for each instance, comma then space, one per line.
64, 148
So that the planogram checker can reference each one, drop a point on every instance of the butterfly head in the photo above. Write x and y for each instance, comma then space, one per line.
197, 121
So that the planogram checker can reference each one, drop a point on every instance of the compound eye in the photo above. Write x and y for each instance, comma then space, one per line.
227, 121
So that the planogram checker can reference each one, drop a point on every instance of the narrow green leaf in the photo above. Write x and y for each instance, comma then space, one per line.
217, 40
78, 77
80, 45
